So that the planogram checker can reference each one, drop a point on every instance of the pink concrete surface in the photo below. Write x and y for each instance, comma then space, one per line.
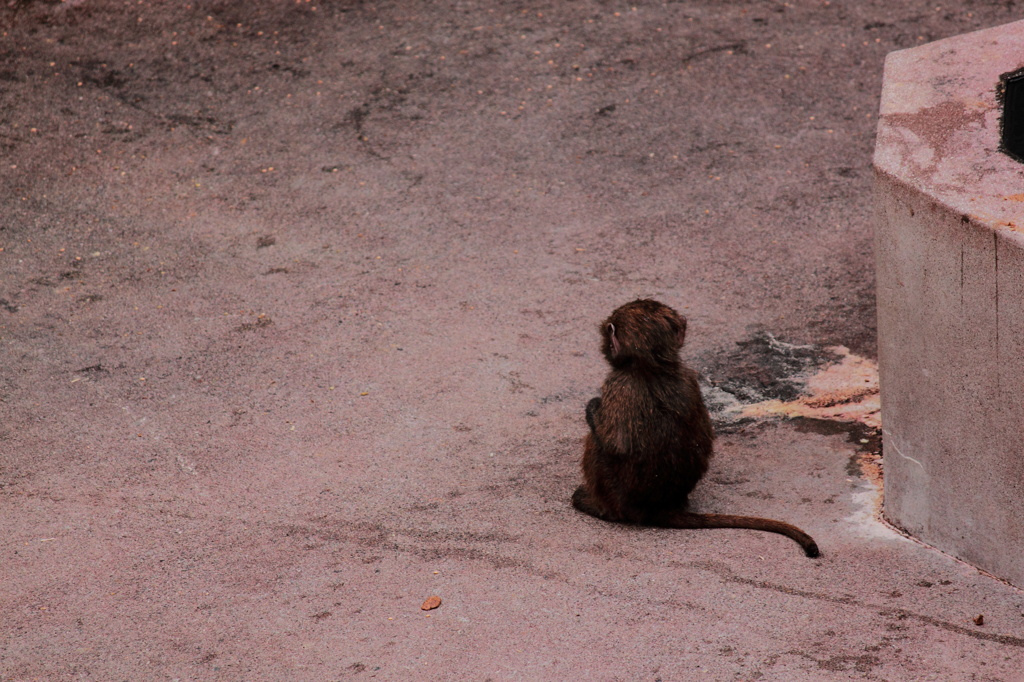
950, 257
939, 126
298, 320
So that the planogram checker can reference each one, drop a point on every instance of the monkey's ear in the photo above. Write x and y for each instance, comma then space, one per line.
614, 340
681, 334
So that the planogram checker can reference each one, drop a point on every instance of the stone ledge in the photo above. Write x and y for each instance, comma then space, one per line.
949, 249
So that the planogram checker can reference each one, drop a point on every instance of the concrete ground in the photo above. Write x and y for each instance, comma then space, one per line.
298, 308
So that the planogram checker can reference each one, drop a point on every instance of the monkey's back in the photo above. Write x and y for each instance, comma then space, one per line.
656, 436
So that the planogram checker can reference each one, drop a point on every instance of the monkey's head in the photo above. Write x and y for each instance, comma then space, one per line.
643, 331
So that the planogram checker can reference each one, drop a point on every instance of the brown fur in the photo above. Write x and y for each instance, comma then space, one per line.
650, 438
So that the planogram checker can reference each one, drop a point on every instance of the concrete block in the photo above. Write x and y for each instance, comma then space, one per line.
949, 249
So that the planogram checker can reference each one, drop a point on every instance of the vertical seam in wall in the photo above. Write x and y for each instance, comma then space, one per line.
995, 246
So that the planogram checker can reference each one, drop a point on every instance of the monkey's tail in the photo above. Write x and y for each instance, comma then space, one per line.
691, 520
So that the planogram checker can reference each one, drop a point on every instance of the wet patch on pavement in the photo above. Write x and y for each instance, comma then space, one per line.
825, 390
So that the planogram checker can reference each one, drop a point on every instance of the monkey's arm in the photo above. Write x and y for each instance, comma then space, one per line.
592, 407
610, 438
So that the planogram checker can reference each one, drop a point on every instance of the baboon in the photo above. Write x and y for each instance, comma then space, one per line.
651, 437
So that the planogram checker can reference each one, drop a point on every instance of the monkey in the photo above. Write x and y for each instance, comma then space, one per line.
651, 438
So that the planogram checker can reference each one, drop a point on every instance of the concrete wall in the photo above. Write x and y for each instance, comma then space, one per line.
950, 287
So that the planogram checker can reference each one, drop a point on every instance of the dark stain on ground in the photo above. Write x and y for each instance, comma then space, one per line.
868, 440
762, 367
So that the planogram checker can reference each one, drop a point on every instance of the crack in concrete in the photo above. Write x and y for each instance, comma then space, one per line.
890, 444
887, 611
